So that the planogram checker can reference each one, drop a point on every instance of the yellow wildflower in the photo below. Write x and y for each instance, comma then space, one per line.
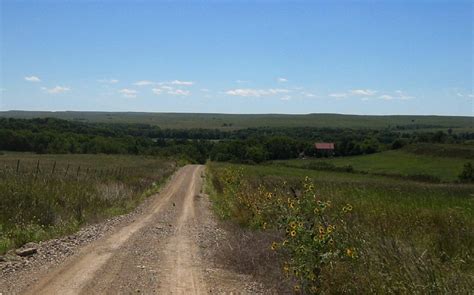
321, 230
330, 228
350, 252
293, 224
274, 246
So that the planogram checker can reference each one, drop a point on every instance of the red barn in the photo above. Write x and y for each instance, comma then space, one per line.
324, 148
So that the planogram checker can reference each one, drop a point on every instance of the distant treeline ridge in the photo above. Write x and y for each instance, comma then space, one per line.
50, 135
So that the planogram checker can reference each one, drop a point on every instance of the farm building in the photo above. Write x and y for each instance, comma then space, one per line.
324, 148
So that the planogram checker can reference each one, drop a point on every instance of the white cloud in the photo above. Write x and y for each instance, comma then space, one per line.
171, 91
397, 95
56, 89
241, 81
204, 90
354, 92
167, 88
183, 83
131, 93
464, 94
243, 92
308, 94
282, 80
278, 90
174, 82
32, 79
247, 92
179, 92
108, 81
285, 98
338, 95
366, 94
363, 92
386, 97
143, 83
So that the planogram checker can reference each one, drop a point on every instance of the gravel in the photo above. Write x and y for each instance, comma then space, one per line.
17, 272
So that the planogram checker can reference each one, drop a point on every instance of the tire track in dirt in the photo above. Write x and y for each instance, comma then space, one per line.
181, 268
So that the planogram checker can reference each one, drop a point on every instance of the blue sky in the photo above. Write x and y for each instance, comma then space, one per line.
358, 57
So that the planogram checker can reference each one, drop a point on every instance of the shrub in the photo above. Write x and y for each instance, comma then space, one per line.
467, 174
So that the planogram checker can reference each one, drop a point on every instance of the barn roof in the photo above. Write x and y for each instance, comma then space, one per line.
324, 145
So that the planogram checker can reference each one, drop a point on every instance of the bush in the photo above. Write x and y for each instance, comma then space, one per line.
467, 174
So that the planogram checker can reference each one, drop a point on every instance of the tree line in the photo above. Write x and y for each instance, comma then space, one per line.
252, 145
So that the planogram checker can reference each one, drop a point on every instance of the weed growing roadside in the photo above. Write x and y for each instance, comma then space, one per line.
341, 235
315, 233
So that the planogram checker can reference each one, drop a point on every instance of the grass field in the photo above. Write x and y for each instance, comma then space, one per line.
399, 237
240, 121
45, 196
411, 161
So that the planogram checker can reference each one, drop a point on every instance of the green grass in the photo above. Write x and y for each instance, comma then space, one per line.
395, 162
65, 192
411, 237
367, 188
240, 121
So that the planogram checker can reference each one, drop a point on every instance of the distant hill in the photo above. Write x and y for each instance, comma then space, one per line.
239, 121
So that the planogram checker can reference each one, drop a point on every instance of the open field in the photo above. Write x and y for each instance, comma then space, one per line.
240, 121
372, 234
446, 162
45, 196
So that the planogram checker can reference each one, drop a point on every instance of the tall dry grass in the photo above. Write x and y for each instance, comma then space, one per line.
56, 197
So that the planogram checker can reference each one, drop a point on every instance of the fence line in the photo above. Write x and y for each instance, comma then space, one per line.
39, 168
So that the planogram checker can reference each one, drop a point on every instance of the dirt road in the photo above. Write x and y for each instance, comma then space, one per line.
162, 251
